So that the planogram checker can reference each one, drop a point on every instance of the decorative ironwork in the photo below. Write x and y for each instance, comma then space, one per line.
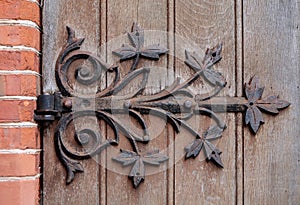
80, 98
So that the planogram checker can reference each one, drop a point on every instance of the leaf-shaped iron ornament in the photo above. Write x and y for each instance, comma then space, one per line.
81, 99
137, 49
211, 152
271, 104
137, 172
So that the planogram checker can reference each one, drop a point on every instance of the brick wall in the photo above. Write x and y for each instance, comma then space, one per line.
20, 48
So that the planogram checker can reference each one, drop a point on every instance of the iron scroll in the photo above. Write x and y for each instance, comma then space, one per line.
79, 87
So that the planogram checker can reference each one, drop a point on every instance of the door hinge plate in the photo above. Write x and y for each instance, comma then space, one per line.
79, 98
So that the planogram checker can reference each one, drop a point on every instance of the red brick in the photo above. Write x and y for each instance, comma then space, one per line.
29, 85
19, 164
19, 138
25, 192
16, 110
20, 9
13, 165
20, 35
19, 60
19, 85
12, 84
2, 85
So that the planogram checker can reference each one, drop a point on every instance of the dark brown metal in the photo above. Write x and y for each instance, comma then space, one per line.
137, 172
271, 104
78, 78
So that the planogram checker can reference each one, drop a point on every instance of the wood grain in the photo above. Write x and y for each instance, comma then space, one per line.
102, 52
58, 15
259, 37
271, 51
239, 92
206, 24
151, 15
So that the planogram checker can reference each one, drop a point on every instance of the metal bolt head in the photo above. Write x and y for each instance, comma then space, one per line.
83, 138
127, 104
67, 103
84, 72
188, 104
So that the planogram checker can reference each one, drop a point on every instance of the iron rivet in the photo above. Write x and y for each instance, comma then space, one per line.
188, 104
84, 72
67, 103
127, 104
83, 138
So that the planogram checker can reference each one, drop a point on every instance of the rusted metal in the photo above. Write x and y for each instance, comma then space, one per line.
271, 104
78, 76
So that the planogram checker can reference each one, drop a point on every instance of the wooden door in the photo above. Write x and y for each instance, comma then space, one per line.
259, 38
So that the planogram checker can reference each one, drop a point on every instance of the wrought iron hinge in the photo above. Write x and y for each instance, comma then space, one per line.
51, 107
78, 76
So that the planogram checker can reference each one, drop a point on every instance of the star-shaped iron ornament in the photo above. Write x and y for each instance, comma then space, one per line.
137, 49
137, 172
174, 103
211, 152
271, 104
212, 56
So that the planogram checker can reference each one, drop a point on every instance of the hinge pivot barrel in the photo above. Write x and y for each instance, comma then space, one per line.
45, 108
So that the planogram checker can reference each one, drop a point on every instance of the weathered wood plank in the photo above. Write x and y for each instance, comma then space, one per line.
171, 76
271, 51
151, 15
239, 92
102, 51
205, 24
56, 16
271, 162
